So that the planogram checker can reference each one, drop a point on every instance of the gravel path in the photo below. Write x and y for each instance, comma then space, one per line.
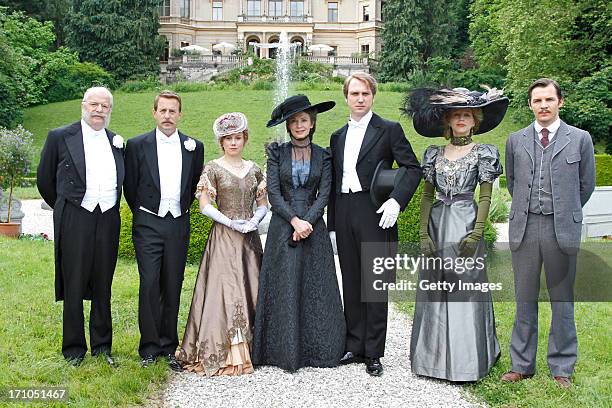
322, 387
309, 387
36, 219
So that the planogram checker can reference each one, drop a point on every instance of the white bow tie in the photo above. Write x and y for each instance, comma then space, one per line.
99, 133
356, 125
169, 140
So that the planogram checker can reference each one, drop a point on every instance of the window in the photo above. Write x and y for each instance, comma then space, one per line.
334, 51
184, 6
184, 44
164, 8
382, 9
332, 12
365, 50
253, 7
366, 13
217, 10
275, 8
297, 8
166, 52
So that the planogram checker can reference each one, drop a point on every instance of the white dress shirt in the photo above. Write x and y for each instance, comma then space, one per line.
552, 129
352, 145
100, 170
170, 164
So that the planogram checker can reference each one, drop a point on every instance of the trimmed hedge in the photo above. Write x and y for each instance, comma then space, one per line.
408, 229
200, 227
603, 170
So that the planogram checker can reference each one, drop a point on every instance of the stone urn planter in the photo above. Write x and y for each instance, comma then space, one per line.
15, 156
597, 214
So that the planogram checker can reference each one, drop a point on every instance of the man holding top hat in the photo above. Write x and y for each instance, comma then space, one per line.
353, 218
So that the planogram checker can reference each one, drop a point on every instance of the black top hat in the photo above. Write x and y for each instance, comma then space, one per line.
384, 181
295, 104
427, 107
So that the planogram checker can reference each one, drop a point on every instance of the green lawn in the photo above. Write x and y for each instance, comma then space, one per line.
30, 342
132, 116
31, 327
593, 373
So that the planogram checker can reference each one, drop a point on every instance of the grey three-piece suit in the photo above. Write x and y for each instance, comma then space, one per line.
549, 186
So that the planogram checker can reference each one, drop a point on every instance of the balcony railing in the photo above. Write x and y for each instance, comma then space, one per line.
274, 19
336, 60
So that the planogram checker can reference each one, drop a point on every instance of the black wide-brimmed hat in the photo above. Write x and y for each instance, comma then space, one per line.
295, 104
427, 107
384, 180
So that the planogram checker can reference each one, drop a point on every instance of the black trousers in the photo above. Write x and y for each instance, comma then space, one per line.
161, 251
356, 229
89, 244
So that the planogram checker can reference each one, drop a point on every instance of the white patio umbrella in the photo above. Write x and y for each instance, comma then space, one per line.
322, 48
224, 47
195, 48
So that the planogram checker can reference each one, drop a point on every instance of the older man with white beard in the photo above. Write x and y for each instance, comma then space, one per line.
80, 176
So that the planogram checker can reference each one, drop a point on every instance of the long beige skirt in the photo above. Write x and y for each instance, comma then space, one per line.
218, 334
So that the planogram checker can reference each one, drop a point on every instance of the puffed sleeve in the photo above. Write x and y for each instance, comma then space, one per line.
489, 165
429, 163
207, 183
262, 186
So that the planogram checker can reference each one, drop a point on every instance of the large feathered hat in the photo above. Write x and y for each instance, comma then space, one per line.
427, 107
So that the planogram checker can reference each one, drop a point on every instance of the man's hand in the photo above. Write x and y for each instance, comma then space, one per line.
390, 211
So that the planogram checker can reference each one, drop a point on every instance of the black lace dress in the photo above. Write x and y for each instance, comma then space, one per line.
299, 320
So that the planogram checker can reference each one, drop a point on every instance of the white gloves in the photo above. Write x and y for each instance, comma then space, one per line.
390, 211
216, 215
332, 237
242, 226
259, 215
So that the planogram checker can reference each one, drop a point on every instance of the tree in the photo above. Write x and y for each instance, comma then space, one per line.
120, 35
414, 31
54, 11
485, 34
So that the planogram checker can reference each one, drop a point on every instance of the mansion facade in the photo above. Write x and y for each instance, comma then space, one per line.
349, 27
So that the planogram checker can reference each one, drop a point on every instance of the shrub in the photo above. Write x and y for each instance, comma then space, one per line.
71, 81
200, 227
603, 169
10, 108
498, 211
310, 71
589, 106
147, 84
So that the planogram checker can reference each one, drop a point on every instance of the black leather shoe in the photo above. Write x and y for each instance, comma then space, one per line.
374, 367
174, 364
75, 361
350, 358
109, 360
147, 361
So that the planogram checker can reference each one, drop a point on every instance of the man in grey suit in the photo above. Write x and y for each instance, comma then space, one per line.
551, 175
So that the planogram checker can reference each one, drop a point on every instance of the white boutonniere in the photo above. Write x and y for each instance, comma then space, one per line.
190, 145
118, 142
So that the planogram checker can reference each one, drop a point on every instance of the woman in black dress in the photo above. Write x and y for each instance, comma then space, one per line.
299, 320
